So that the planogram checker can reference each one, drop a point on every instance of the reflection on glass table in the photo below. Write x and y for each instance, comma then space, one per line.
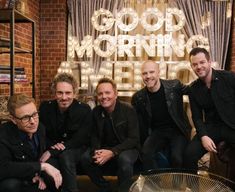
168, 180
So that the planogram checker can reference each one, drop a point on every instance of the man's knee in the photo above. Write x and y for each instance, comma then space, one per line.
190, 159
66, 153
188, 154
126, 159
86, 158
176, 161
10, 185
67, 157
146, 150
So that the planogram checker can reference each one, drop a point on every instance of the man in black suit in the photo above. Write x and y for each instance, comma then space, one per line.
115, 138
163, 122
212, 100
68, 123
22, 142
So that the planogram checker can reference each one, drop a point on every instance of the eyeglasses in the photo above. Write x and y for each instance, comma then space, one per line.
27, 118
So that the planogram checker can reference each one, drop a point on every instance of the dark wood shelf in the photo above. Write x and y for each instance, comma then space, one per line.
17, 82
17, 50
5, 46
9, 46
5, 16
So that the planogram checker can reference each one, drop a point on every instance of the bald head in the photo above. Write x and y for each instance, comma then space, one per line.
149, 63
150, 75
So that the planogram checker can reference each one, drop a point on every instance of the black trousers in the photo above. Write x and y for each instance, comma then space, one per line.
67, 163
123, 163
17, 185
195, 149
159, 140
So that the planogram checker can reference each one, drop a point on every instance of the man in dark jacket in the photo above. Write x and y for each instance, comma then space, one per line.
212, 100
115, 138
163, 122
22, 142
68, 124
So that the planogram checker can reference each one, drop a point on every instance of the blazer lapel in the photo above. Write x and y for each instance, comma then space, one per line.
42, 139
24, 145
53, 118
169, 95
101, 123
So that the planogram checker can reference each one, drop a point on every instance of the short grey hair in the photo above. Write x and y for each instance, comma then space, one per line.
64, 77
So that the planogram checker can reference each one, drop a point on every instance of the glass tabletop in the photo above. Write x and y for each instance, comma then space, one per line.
168, 180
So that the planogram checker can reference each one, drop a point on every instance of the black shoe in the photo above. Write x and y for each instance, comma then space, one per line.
65, 190
105, 190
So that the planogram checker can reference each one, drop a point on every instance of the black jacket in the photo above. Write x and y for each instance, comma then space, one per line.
78, 124
174, 91
125, 126
16, 157
223, 95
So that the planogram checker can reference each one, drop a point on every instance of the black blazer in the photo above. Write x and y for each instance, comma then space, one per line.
174, 91
16, 158
223, 95
78, 124
125, 126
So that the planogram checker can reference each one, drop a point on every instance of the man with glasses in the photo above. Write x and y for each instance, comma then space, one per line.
22, 142
68, 123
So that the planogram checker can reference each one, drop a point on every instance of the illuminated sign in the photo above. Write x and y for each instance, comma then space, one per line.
132, 47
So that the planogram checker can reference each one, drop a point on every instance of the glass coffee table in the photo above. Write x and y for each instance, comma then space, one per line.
168, 180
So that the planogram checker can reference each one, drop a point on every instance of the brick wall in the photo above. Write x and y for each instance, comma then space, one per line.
53, 30
51, 26
232, 67
23, 36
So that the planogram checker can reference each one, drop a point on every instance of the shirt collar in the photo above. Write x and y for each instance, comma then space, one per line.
25, 137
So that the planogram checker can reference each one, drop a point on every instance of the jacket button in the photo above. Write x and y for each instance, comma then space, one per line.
22, 144
23, 157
